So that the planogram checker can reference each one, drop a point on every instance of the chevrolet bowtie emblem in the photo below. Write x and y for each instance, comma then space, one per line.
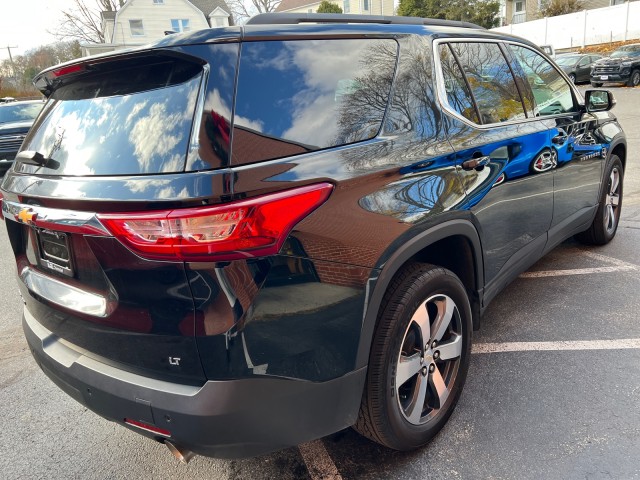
26, 215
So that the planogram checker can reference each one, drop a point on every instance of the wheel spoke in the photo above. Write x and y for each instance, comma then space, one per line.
437, 383
613, 199
615, 180
421, 318
443, 319
451, 349
407, 368
610, 217
414, 411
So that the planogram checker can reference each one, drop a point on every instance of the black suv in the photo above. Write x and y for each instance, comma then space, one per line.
623, 65
16, 119
244, 238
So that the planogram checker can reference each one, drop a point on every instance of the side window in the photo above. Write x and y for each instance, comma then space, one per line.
305, 95
458, 94
551, 92
491, 81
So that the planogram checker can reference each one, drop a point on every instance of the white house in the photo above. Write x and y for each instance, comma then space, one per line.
139, 22
363, 7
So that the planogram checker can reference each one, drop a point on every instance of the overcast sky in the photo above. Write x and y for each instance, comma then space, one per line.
24, 23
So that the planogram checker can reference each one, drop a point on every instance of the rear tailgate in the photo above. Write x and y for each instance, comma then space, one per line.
114, 136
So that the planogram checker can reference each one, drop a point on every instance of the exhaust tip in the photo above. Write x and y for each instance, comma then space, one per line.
179, 452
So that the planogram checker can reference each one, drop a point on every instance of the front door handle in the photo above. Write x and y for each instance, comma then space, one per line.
476, 163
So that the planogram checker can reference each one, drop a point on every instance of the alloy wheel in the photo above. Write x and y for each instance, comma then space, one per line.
429, 359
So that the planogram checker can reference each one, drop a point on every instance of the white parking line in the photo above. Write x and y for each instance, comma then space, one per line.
621, 344
617, 266
318, 461
577, 271
606, 259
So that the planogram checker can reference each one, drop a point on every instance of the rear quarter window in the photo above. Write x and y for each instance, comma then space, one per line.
305, 95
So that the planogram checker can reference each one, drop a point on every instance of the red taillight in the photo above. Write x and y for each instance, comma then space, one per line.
1, 206
147, 427
60, 72
242, 229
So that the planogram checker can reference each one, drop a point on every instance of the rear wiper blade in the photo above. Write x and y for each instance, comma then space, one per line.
31, 157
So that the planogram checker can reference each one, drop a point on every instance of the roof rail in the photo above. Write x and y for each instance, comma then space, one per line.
297, 18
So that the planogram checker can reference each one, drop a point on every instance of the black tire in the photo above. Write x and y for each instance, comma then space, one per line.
634, 79
572, 77
596, 84
605, 224
391, 413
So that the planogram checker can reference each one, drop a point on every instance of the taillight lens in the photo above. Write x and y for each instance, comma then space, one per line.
242, 229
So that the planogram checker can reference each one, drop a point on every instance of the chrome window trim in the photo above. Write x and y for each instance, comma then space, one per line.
441, 92
196, 124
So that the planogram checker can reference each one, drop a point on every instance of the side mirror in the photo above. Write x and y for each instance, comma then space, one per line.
599, 100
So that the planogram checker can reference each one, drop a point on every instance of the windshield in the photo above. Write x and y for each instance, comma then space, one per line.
625, 53
19, 112
567, 60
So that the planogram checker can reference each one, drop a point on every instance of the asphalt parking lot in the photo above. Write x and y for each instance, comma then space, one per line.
553, 390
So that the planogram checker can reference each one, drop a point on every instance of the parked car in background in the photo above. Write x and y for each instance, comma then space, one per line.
7, 99
623, 66
577, 66
241, 239
16, 119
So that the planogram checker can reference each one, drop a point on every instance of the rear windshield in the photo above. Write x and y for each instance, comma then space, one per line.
131, 117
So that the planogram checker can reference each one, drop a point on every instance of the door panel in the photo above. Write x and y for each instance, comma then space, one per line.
581, 154
511, 200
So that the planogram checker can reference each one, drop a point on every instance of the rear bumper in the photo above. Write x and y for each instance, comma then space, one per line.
227, 419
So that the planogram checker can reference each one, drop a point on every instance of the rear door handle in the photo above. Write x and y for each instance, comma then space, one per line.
476, 163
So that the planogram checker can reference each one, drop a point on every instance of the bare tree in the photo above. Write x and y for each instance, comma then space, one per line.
243, 9
82, 21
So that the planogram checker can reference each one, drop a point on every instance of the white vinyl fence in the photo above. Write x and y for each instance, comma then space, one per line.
589, 27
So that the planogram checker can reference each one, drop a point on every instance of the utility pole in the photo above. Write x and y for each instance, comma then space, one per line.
13, 67
9, 50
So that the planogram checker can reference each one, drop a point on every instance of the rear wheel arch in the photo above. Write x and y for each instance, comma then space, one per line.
454, 245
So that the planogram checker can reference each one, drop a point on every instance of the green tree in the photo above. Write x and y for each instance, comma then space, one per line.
481, 12
328, 7
553, 8
422, 8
